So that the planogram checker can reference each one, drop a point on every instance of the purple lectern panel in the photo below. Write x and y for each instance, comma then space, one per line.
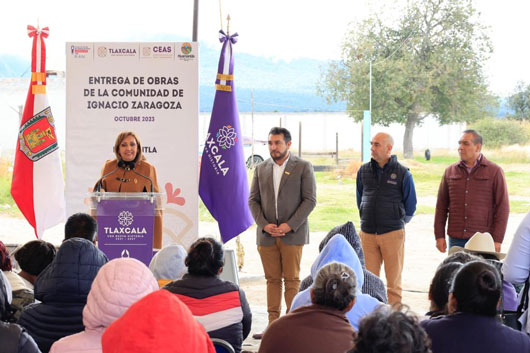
125, 229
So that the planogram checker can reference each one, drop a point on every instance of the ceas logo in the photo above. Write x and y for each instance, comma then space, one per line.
185, 48
146, 51
125, 218
226, 137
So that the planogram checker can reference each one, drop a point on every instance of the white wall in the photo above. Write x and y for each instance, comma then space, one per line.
319, 129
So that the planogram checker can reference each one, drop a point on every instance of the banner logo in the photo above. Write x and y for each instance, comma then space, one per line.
102, 52
125, 218
37, 136
226, 137
125, 253
185, 48
186, 55
79, 51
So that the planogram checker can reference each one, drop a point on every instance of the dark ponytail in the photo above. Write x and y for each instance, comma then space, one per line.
205, 258
477, 288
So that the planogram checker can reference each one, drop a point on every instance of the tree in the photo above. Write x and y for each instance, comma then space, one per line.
429, 62
520, 102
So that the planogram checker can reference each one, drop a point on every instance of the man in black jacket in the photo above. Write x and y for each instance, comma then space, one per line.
13, 338
386, 199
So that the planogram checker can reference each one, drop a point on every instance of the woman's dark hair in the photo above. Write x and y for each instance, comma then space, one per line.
335, 286
391, 331
205, 258
477, 288
5, 260
461, 257
35, 256
441, 284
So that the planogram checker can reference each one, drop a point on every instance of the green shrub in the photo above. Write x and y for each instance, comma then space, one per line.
498, 133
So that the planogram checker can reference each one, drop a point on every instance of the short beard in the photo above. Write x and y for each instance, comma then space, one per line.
280, 157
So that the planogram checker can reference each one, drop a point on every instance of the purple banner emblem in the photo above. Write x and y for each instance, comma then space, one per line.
125, 229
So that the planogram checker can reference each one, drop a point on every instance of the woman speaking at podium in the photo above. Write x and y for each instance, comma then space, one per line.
130, 172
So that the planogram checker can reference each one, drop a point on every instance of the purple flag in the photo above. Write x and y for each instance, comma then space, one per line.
223, 183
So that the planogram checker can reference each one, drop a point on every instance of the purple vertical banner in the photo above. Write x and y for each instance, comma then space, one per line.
223, 184
125, 229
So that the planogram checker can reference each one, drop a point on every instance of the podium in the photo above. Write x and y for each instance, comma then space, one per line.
126, 223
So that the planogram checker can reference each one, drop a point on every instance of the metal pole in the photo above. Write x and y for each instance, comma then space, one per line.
370, 107
195, 20
337, 148
20, 113
252, 133
300, 139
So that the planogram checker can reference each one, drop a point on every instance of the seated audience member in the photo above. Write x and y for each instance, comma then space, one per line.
62, 289
13, 338
157, 323
482, 245
6, 266
220, 306
471, 325
168, 264
439, 289
391, 331
516, 267
372, 284
339, 250
81, 225
461, 257
32, 258
322, 326
118, 285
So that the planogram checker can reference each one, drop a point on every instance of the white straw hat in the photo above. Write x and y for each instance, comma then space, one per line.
479, 243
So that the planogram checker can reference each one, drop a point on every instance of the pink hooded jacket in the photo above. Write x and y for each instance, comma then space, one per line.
118, 284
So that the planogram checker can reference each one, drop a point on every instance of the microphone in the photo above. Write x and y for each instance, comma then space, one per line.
144, 176
99, 183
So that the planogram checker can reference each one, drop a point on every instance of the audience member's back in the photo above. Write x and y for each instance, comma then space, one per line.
439, 289
13, 338
322, 326
372, 285
168, 264
391, 331
220, 306
62, 288
157, 323
32, 258
339, 250
471, 325
80, 225
118, 284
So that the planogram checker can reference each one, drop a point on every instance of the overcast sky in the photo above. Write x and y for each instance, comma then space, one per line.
282, 29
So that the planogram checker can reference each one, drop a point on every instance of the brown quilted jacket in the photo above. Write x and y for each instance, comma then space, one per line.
473, 202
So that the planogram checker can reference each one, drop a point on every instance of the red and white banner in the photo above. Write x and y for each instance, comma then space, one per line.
38, 186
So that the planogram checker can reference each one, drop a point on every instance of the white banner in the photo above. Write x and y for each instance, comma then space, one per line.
151, 89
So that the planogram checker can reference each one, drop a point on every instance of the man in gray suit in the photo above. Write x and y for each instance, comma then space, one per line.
282, 196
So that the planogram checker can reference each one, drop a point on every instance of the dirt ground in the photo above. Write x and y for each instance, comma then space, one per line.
421, 260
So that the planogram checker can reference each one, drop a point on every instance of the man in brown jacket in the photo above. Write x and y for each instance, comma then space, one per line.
473, 194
